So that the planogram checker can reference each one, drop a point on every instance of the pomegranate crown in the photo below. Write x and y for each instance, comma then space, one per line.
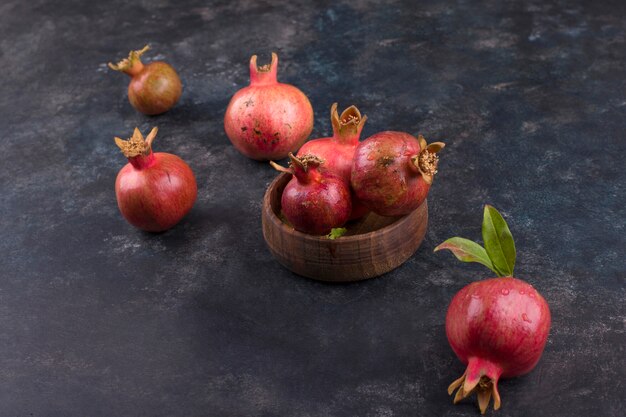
302, 163
264, 74
136, 145
350, 122
127, 63
305, 161
427, 160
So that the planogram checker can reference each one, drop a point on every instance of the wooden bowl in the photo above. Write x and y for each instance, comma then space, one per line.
371, 247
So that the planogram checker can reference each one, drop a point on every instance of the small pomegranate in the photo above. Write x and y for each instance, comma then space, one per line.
497, 327
268, 119
154, 190
315, 201
154, 88
392, 172
338, 151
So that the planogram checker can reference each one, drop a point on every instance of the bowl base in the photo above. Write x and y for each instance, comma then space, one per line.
372, 246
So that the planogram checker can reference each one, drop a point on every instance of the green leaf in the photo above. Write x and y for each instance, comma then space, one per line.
337, 232
467, 251
498, 242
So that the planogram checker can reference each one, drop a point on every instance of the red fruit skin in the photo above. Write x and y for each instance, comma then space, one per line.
316, 210
384, 177
337, 152
267, 120
316, 204
155, 88
498, 326
337, 159
156, 196
337, 156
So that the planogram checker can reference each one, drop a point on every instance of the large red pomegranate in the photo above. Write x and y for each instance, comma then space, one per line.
154, 190
315, 201
392, 172
498, 327
268, 119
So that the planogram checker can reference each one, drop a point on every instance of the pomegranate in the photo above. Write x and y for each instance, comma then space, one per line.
154, 190
154, 88
268, 119
315, 201
337, 151
498, 327
392, 172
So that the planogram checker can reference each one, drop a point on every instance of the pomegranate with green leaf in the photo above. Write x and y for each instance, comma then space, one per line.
498, 327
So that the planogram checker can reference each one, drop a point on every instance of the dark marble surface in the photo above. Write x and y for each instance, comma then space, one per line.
99, 319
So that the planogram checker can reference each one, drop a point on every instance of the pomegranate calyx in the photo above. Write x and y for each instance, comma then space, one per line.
304, 162
349, 124
303, 167
427, 160
136, 145
264, 74
480, 377
132, 64
485, 388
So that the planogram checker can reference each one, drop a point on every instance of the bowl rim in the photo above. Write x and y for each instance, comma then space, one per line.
267, 207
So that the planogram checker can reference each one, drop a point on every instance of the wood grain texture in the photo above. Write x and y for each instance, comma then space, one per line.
373, 246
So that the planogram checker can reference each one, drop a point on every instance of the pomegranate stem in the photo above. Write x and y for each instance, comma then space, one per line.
281, 168
264, 74
131, 65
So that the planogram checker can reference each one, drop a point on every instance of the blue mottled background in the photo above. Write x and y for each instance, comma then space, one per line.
99, 319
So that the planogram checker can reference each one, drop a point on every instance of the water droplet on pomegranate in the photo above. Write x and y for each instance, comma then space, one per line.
522, 292
370, 157
525, 318
505, 291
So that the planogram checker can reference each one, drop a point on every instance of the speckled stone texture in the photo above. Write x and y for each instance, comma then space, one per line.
99, 319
